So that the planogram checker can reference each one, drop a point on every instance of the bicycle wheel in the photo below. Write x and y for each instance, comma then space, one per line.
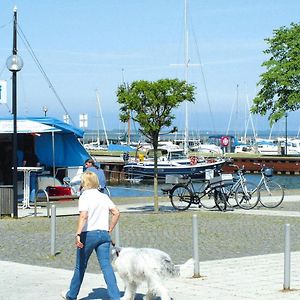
271, 194
247, 195
229, 193
181, 197
220, 199
208, 200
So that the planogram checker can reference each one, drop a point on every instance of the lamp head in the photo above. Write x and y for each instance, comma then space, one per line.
14, 63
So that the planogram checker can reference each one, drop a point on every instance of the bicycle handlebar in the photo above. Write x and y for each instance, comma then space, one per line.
239, 169
263, 167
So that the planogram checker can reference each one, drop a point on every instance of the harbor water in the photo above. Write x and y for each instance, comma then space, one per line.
146, 189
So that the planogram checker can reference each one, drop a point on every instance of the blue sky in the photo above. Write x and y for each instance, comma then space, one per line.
89, 45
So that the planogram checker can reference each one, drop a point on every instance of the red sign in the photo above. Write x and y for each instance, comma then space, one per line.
225, 141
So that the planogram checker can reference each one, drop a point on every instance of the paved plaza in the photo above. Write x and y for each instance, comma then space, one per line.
255, 277
241, 252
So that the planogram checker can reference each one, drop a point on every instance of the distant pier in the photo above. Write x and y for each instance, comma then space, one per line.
287, 165
113, 167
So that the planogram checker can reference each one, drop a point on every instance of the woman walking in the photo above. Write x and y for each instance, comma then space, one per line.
93, 233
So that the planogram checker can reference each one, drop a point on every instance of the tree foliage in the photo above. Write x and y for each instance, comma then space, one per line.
151, 103
280, 84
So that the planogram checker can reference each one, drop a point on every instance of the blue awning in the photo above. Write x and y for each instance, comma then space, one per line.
25, 126
49, 132
52, 123
121, 148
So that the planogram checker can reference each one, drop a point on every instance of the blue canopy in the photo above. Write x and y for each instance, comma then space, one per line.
64, 127
68, 150
121, 148
56, 136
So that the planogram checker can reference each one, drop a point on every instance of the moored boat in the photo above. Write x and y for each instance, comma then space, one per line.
171, 162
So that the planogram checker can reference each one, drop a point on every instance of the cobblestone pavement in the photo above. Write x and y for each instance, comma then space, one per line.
221, 235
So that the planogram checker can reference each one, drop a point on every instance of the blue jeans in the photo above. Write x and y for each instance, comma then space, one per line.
100, 241
33, 184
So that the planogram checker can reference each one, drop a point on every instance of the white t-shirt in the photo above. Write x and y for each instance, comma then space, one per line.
97, 205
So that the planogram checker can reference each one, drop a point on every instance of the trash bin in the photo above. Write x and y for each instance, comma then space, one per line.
6, 200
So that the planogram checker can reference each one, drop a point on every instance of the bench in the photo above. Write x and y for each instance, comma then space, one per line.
50, 199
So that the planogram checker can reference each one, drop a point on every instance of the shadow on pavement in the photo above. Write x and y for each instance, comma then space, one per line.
101, 293
150, 208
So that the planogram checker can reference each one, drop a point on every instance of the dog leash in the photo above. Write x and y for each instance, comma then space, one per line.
114, 245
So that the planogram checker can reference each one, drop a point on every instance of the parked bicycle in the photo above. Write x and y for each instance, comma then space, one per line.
244, 192
271, 193
247, 195
184, 194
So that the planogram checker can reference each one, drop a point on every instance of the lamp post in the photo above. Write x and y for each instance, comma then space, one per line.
14, 64
45, 109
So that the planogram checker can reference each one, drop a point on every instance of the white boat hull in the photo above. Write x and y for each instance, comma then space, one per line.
145, 170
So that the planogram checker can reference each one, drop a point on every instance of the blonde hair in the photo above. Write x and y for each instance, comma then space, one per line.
89, 180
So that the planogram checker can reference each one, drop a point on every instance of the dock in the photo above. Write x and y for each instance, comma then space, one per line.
284, 165
112, 164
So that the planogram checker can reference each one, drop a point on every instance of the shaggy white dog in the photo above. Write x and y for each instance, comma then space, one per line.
137, 265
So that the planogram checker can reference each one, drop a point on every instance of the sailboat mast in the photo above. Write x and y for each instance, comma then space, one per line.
98, 124
250, 116
100, 110
236, 132
128, 121
128, 129
186, 63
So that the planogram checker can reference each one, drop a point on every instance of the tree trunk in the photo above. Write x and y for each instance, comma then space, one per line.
155, 183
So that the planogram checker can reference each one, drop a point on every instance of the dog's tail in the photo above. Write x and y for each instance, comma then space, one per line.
186, 270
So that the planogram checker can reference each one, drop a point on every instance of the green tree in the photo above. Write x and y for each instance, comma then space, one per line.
150, 104
280, 84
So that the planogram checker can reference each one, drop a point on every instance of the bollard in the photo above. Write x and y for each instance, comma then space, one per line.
195, 248
287, 257
53, 230
117, 235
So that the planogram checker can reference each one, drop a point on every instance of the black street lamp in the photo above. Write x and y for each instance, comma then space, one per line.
14, 64
45, 109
